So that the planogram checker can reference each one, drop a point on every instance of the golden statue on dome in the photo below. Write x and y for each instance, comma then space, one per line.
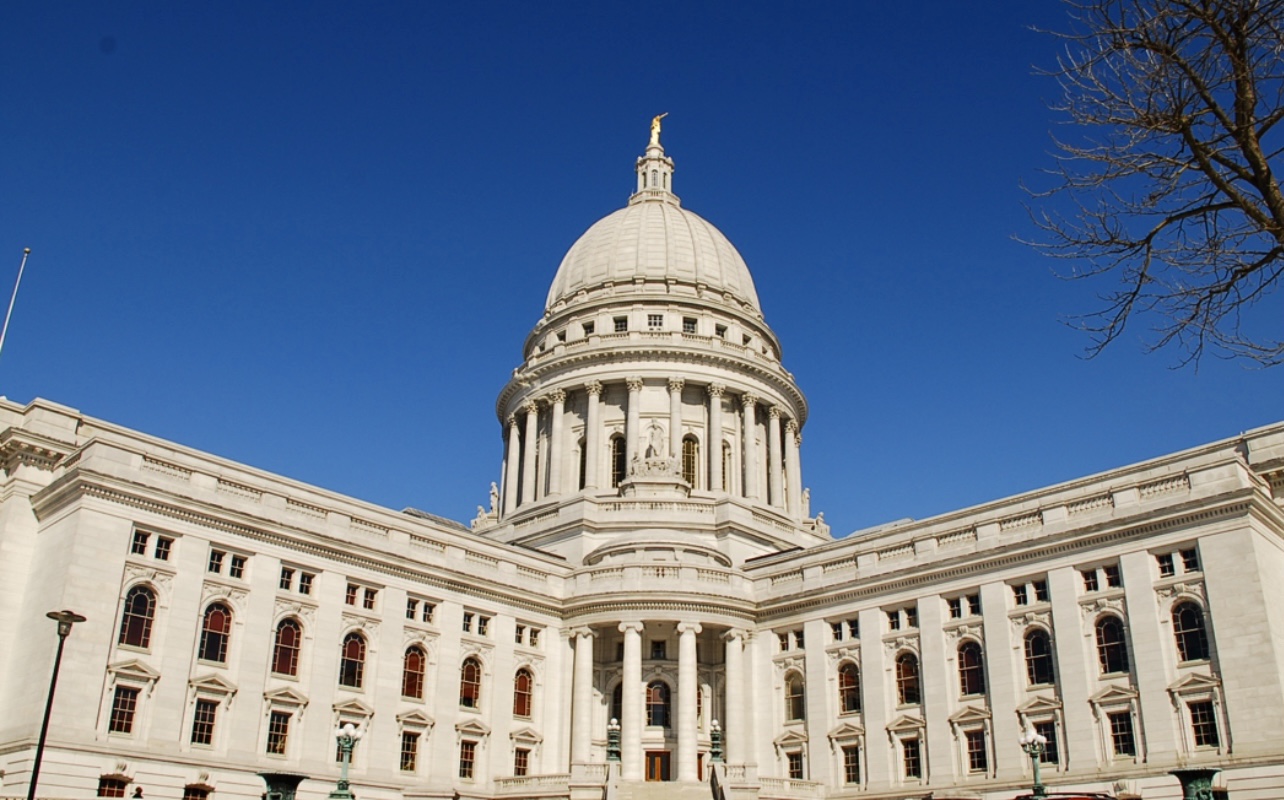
655, 128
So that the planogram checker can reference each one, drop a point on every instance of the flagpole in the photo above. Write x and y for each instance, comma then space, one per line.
26, 251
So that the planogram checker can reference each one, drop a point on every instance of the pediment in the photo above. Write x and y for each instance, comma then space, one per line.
790, 738
472, 727
353, 707
416, 718
969, 714
1114, 694
526, 735
133, 668
1040, 705
213, 684
905, 724
1195, 683
846, 730
285, 696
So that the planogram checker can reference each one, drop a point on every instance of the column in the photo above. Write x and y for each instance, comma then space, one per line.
592, 435
793, 464
733, 712
633, 419
714, 438
529, 445
749, 403
675, 418
582, 697
514, 465
688, 687
631, 703
775, 475
558, 398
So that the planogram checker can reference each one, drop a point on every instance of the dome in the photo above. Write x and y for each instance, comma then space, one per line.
654, 239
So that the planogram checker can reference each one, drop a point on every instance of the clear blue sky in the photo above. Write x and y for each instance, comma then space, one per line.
312, 236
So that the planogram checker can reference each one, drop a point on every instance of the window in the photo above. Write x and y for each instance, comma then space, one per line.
655, 322
588, 328
216, 629
720, 331
123, 705
285, 649
657, 704
483, 625
470, 675
1113, 577
894, 620
1040, 591
1019, 595
974, 605
851, 764
907, 684
561, 336
195, 793
1048, 730
467, 757
1188, 628
911, 617
164, 545
965, 606
800, 641
836, 630
1190, 560
849, 688
1166, 567
617, 702
519, 634
368, 599
795, 698
237, 569
350, 594
659, 650
352, 661
1112, 651
620, 324
278, 733
523, 689
1039, 668
203, 722
956, 607
532, 638
971, 669
795, 760
409, 751
977, 760
139, 546
216, 561
136, 621
111, 787
618, 460
784, 641
1121, 736
688, 324
1090, 583
853, 628
287, 578
413, 667
305, 582
690, 459
521, 761
911, 758
468, 622
1203, 724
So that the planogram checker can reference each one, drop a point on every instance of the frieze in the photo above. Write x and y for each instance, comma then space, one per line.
287, 608
1023, 620
1187, 588
894, 644
967, 630
139, 572
218, 591
352, 622
1090, 609
786, 663
844, 653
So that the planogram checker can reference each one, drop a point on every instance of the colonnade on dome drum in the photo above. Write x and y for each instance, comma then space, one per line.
587, 436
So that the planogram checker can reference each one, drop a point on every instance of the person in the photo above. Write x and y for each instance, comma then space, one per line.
655, 127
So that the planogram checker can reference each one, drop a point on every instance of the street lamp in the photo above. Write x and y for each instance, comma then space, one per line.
715, 742
65, 620
613, 740
347, 736
1034, 744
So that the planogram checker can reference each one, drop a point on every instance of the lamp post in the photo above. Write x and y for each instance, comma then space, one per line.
715, 742
347, 736
613, 740
65, 620
1034, 745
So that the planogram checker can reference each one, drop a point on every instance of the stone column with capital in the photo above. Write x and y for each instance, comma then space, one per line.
631, 721
558, 400
592, 435
793, 465
688, 689
775, 474
529, 446
749, 403
734, 716
632, 420
514, 465
713, 440
582, 697
675, 418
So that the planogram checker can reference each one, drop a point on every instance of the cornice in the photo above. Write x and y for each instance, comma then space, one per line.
581, 609
22, 447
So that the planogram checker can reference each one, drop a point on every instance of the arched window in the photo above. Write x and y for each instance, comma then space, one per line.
1112, 651
583, 464
617, 702
907, 684
285, 649
1038, 658
655, 178
690, 460
1188, 627
795, 697
352, 661
971, 669
136, 621
618, 460
726, 467
470, 676
657, 704
413, 667
523, 688
216, 629
849, 688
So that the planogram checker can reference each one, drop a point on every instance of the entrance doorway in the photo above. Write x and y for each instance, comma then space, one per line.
657, 765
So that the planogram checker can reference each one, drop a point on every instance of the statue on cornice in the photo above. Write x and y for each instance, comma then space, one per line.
494, 497
655, 127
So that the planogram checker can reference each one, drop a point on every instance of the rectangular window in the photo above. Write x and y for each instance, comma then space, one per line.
688, 324
467, 755
203, 722
561, 336
655, 322
974, 605
911, 617
468, 622
519, 634
1048, 730
1019, 596
893, 620
521, 761
851, 764
368, 599
533, 638
1203, 724
164, 545
409, 751
911, 758
483, 625
853, 628
350, 594
1090, 583
1190, 560
795, 765
412, 608
659, 650
287, 578
784, 641
1113, 578
305, 582
720, 331
139, 546
111, 787
588, 328
1121, 733
1041, 591
123, 705
956, 607
977, 759
427, 613
216, 561
1166, 567
237, 569
278, 734
799, 641
837, 629
621, 324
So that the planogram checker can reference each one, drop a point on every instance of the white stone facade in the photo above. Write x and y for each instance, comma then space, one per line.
648, 555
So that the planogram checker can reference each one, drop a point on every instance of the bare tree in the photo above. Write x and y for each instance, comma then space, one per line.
1172, 188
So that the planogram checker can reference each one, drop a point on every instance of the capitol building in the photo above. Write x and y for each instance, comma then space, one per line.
645, 602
